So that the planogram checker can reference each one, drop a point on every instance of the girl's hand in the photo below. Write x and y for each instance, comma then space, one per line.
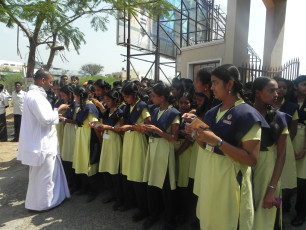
188, 129
62, 107
205, 135
140, 128
61, 118
188, 117
151, 128
268, 201
300, 155
126, 128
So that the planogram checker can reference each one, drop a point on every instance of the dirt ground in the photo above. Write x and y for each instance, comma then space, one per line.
74, 213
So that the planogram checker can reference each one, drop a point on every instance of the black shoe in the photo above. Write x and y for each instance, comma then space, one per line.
298, 220
138, 217
148, 223
117, 205
91, 197
109, 199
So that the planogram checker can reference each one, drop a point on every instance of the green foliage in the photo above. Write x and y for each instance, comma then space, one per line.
9, 81
49, 22
109, 80
92, 69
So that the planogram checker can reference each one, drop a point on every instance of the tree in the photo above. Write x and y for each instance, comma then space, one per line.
92, 69
48, 22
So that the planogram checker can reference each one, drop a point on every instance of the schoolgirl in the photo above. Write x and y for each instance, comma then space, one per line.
69, 133
134, 150
205, 99
100, 87
232, 146
183, 152
111, 152
177, 90
159, 169
57, 102
86, 156
272, 155
288, 177
299, 145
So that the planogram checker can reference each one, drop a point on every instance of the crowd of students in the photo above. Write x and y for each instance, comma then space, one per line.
138, 140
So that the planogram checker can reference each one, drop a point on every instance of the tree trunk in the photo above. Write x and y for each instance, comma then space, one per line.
31, 58
51, 58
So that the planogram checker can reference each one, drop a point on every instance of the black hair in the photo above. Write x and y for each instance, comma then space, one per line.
259, 84
90, 88
178, 85
100, 83
1, 86
68, 89
130, 88
41, 74
299, 79
114, 95
56, 83
189, 96
161, 89
18, 82
287, 82
74, 77
82, 93
116, 84
204, 75
229, 72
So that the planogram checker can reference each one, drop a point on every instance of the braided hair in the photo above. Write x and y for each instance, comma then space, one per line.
114, 95
82, 93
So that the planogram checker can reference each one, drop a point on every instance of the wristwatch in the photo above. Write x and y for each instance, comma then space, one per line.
219, 143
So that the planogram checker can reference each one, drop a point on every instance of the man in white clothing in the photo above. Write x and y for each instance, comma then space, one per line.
38, 148
3, 105
18, 98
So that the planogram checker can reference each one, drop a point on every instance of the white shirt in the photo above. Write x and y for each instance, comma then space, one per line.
18, 99
3, 102
38, 136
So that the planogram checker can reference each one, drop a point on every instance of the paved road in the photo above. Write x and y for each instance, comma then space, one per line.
72, 214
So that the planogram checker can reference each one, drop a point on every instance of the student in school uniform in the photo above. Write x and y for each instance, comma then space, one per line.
232, 145
85, 159
205, 100
299, 145
272, 155
69, 133
288, 177
111, 152
183, 151
100, 89
134, 150
159, 170
57, 102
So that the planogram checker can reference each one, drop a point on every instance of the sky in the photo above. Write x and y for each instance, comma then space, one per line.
101, 47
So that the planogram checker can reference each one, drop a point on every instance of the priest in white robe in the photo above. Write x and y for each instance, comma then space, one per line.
38, 148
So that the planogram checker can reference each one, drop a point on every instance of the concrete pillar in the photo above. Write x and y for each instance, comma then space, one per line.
274, 32
237, 32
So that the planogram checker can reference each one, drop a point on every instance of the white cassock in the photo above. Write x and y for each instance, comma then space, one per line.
38, 148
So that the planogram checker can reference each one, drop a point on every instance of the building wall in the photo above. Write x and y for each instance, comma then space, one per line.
208, 52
